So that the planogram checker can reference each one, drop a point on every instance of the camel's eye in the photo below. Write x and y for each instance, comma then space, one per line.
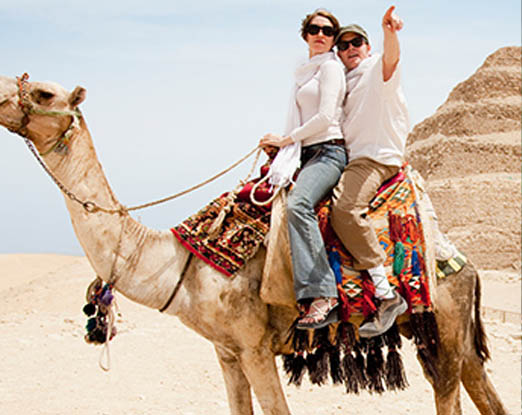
42, 97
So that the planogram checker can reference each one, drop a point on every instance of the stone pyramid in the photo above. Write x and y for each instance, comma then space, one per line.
469, 153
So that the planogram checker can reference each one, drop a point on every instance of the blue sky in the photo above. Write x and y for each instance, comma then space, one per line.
177, 92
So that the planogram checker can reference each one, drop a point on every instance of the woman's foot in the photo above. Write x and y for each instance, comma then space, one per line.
322, 311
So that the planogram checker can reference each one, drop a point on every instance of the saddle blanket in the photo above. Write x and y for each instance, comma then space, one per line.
394, 214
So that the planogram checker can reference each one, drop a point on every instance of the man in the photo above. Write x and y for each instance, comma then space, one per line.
375, 128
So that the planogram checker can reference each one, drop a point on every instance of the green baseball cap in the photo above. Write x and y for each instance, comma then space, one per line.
352, 28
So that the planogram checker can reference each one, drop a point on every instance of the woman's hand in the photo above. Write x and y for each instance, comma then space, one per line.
275, 140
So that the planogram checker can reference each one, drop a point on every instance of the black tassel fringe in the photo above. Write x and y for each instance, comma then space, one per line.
359, 363
426, 337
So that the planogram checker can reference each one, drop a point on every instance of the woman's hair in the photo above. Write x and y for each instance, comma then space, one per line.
319, 12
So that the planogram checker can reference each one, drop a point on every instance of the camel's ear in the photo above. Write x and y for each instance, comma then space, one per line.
77, 96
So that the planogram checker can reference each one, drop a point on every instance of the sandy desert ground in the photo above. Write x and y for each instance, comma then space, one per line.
159, 367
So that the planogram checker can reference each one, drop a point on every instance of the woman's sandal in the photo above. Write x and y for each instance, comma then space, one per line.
322, 311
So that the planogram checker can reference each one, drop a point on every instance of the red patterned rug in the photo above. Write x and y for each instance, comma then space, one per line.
241, 234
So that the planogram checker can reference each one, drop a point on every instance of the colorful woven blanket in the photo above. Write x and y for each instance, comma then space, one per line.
394, 214
395, 218
241, 234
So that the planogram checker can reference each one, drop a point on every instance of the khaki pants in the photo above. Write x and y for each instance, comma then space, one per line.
358, 185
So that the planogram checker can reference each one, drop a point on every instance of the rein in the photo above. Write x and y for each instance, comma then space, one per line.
61, 144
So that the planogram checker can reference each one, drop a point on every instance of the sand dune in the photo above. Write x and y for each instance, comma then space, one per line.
160, 367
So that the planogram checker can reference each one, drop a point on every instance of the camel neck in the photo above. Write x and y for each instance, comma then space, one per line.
144, 264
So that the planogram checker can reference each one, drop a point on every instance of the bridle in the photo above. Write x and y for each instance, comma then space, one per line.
61, 144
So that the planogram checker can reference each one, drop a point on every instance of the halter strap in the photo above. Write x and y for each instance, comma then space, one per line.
28, 108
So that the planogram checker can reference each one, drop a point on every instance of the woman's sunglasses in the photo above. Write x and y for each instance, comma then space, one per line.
345, 44
314, 29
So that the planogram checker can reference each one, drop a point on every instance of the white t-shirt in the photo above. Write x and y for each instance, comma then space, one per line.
320, 105
376, 121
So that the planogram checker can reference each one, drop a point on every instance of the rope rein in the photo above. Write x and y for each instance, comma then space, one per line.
61, 145
92, 207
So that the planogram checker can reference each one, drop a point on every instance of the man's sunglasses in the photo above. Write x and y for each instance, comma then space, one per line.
314, 29
345, 44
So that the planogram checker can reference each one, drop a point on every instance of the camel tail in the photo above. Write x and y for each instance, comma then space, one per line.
480, 338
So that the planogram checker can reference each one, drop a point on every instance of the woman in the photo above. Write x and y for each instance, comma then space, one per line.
314, 124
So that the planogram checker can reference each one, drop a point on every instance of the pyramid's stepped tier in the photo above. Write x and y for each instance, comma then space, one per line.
487, 102
487, 83
481, 215
444, 157
464, 119
469, 153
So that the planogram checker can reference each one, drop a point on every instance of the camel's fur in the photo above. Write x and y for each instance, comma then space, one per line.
246, 332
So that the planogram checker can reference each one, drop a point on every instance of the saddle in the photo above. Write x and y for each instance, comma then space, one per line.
401, 226
401, 217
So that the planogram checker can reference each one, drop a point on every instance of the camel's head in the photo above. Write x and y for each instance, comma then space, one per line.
42, 111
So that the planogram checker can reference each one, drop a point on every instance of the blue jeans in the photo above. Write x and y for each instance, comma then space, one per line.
322, 166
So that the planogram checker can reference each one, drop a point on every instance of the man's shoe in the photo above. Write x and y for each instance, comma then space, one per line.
385, 317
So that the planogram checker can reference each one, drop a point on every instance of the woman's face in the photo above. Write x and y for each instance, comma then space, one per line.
319, 43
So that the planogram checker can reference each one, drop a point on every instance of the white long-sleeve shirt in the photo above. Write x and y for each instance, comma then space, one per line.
320, 105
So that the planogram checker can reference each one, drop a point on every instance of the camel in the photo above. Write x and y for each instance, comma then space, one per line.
147, 265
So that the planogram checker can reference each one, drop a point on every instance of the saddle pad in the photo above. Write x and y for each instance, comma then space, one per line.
395, 218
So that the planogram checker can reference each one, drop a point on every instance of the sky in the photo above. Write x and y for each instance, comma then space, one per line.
177, 92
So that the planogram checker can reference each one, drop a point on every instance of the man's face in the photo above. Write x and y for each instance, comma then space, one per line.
353, 56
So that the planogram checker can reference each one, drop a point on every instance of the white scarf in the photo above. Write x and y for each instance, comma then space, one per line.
288, 158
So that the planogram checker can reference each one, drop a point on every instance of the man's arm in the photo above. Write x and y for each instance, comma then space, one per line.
391, 24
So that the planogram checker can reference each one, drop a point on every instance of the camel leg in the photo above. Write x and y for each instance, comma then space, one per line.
237, 386
446, 384
479, 388
260, 368
447, 387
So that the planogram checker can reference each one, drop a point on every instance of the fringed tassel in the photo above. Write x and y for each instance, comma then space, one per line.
411, 229
353, 370
394, 223
432, 332
335, 263
415, 264
395, 377
368, 291
361, 368
398, 258
351, 374
334, 258
215, 228
405, 292
375, 365
424, 292
392, 337
425, 333
294, 366
317, 364
334, 359
394, 374
300, 342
